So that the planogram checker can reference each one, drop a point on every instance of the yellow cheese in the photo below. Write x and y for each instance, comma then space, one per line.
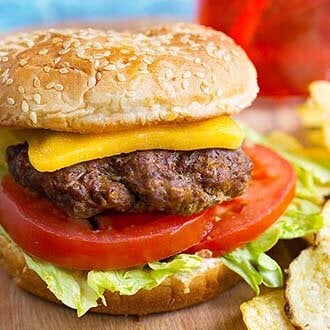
50, 151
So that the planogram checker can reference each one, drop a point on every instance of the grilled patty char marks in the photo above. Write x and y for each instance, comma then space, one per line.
176, 182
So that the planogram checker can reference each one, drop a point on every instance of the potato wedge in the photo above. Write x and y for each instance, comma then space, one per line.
308, 288
266, 312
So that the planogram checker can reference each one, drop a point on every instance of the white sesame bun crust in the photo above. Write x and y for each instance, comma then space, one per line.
174, 293
91, 81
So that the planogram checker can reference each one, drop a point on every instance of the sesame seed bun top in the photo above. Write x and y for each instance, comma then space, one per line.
91, 81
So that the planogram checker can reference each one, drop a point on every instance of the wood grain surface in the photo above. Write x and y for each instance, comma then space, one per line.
22, 311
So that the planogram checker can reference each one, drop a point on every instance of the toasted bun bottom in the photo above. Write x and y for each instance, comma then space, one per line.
174, 293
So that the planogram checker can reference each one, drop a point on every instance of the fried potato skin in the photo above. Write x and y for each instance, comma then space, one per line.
307, 292
266, 312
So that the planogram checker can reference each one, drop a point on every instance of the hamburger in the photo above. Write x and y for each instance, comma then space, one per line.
125, 183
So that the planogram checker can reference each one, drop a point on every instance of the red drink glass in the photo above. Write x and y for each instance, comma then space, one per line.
288, 40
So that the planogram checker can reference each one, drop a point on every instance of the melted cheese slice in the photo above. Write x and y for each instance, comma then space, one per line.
51, 151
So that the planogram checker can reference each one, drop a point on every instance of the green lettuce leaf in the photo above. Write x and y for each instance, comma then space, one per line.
68, 286
129, 282
253, 265
251, 261
81, 290
302, 217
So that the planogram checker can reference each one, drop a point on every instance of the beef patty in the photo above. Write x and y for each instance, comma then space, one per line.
177, 182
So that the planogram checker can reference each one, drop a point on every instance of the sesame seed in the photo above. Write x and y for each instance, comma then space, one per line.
120, 65
123, 103
29, 43
33, 117
98, 76
200, 74
185, 84
91, 82
43, 51
144, 71
46, 68
205, 90
186, 74
219, 92
110, 67
81, 53
50, 85
56, 40
214, 78
97, 45
206, 66
36, 82
98, 56
21, 89
37, 98
9, 82
197, 60
64, 51
147, 60
5, 73
124, 51
23, 62
57, 59
121, 77
104, 63
66, 44
168, 73
131, 93
25, 106
107, 53
176, 109
64, 70
10, 101
59, 87
76, 43
5, 59
220, 54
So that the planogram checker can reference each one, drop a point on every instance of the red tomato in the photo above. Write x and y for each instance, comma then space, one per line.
45, 231
243, 219
126, 240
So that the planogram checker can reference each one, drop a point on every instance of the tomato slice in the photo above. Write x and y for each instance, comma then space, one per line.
125, 240
243, 219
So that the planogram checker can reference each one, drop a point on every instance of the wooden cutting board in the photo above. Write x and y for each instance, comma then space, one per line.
22, 311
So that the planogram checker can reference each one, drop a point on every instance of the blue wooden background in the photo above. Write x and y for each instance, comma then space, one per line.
17, 14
